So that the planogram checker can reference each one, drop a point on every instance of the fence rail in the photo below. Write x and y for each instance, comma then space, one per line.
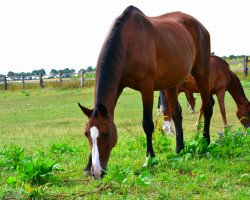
42, 80
238, 64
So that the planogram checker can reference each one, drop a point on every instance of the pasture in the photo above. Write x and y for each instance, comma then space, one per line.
44, 126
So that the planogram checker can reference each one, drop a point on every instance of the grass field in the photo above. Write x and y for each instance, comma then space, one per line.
44, 127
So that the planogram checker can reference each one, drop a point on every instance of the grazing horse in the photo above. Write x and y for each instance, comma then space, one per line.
222, 79
146, 54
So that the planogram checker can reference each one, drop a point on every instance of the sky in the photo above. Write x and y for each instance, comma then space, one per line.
59, 34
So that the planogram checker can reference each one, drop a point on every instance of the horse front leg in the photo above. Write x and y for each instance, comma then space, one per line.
176, 113
147, 123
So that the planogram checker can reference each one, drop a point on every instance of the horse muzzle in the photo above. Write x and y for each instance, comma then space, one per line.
97, 172
245, 122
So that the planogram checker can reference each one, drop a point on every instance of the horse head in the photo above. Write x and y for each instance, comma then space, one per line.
102, 136
243, 113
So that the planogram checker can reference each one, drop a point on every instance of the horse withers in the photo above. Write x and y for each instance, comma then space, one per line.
146, 54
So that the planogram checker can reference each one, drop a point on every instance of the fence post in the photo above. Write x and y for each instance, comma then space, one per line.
22, 77
245, 65
5, 83
41, 79
60, 78
82, 78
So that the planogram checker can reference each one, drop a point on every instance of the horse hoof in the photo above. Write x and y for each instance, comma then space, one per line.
151, 161
170, 131
179, 149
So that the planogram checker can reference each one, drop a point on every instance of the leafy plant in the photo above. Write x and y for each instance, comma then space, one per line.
196, 147
62, 148
231, 143
144, 178
37, 169
162, 142
12, 157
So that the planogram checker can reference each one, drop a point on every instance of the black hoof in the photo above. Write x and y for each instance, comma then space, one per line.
178, 149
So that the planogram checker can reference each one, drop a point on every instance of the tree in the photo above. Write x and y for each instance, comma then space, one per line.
89, 69
35, 72
43, 71
232, 56
54, 71
65, 71
10, 74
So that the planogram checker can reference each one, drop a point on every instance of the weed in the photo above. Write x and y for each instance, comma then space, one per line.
162, 142
62, 148
144, 178
12, 157
37, 169
230, 143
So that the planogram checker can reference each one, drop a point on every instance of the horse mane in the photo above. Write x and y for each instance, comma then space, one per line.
110, 54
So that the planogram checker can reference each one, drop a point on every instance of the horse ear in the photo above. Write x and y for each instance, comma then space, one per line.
86, 111
102, 109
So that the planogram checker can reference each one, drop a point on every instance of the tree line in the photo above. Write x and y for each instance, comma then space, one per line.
52, 72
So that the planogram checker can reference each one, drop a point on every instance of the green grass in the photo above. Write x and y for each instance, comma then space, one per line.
46, 124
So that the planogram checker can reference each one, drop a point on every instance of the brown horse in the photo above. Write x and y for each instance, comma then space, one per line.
146, 54
222, 79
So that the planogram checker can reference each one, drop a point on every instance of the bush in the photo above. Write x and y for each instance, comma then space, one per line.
230, 143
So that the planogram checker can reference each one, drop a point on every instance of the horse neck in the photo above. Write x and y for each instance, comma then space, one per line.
236, 91
106, 90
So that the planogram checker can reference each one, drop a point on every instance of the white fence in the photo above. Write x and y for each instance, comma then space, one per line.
5, 81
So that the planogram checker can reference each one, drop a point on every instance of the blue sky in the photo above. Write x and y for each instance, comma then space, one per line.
57, 34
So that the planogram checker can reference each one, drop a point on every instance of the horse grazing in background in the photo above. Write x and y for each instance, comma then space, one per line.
222, 79
146, 54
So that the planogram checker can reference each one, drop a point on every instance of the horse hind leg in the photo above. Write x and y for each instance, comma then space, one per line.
221, 97
201, 112
176, 113
167, 118
201, 75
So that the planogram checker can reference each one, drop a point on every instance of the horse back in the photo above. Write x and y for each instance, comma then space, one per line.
199, 33
160, 51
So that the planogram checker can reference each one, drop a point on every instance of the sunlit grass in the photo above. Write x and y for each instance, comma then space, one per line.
40, 118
